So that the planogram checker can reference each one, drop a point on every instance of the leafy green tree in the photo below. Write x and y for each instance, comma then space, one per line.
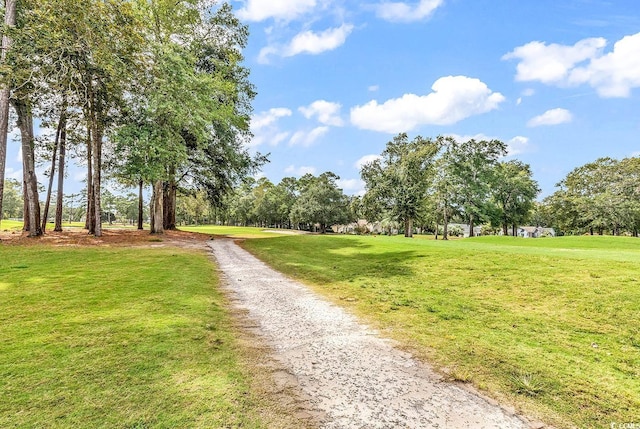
513, 192
321, 202
12, 203
399, 182
472, 166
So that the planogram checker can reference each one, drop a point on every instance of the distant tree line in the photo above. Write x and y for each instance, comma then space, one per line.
600, 197
420, 184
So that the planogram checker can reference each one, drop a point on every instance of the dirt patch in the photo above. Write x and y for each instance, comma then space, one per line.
110, 237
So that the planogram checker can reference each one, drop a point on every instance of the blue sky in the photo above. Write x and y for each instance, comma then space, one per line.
559, 81
556, 80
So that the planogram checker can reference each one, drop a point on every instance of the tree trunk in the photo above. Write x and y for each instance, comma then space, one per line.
436, 237
505, 229
169, 201
89, 216
514, 230
52, 172
25, 123
25, 203
96, 138
5, 93
140, 206
445, 223
61, 160
408, 227
157, 221
471, 226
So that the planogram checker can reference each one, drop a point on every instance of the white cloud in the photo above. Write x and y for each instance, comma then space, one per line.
11, 173
518, 145
366, 160
515, 146
613, 74
264, 127
551, 117
528, 92
308, 42
327, 113
351, 186
287, 10
552, 63
300, 171
453, 99
307, 138
404, 12
316, 43
373, 88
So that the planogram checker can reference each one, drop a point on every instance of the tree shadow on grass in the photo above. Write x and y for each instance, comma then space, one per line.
332, 259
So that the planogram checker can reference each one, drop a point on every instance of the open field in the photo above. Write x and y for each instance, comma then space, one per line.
119, 337
552, 325
236, 231
10, 225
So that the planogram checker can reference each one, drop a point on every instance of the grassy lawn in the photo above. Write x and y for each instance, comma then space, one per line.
129, 338
10, 225
550, 324
233, 231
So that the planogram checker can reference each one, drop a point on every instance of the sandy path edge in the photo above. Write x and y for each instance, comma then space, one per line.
354, 377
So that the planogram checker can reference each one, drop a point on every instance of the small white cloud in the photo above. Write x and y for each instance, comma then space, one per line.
518, 145
351, 186
551, 117
552, 63
519, 101
613, 74
11, 173
264, 127
327, 113
287, 10
453, 99
373, 88
300, 171
366, 160
515, 146
528, 92
315, 43
404, 12
308, 42
307, 138
79, 176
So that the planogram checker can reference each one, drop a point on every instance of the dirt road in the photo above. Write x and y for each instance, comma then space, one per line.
354, 377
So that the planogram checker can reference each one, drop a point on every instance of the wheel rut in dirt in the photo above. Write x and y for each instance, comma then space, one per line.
354, 377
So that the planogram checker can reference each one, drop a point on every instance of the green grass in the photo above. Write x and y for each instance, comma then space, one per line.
550, 324
232, 231
128, 338
10, 225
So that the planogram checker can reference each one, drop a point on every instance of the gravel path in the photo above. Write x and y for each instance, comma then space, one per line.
356, 378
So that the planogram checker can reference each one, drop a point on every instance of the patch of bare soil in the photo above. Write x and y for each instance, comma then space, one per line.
124, 237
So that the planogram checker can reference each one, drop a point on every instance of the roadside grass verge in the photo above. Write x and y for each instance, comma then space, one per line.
552, 325
118, 337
